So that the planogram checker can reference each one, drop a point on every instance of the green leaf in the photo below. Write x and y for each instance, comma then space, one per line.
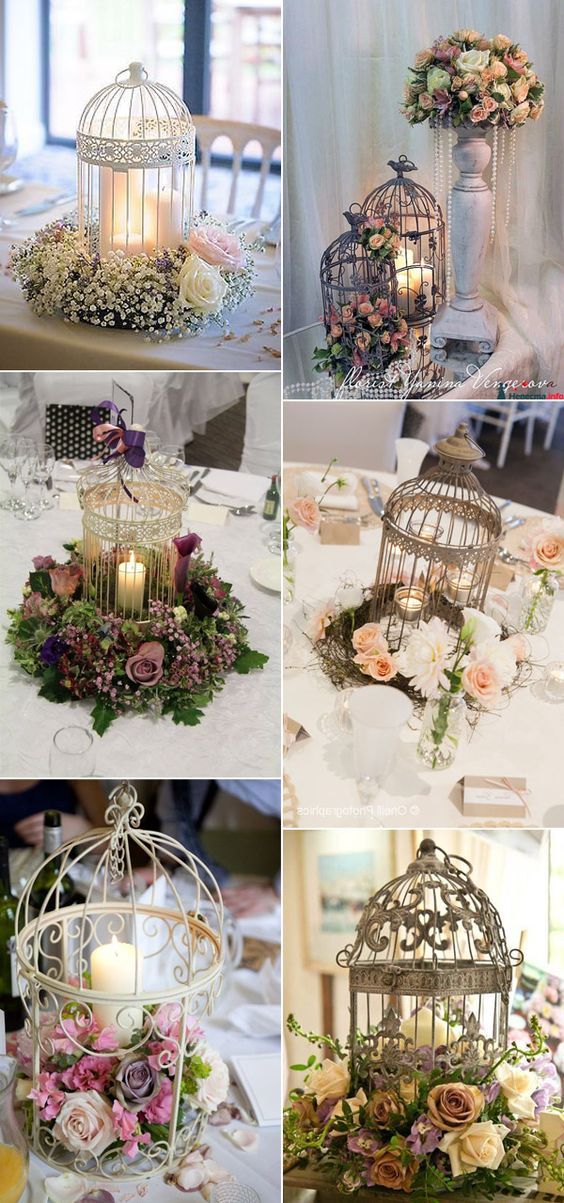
40, 582
52, 688
102, 716
247, 661
190, 716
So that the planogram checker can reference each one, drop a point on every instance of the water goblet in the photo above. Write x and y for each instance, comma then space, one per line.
72, 753
29, 509
44, 468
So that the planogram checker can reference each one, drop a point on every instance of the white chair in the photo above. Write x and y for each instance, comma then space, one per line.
504, 415
239, 133
261, 447
361, 434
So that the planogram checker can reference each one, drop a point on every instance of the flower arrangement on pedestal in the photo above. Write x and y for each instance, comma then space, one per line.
470, 78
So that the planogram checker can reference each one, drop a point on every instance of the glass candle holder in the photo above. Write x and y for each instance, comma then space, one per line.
554, 681
459, 585
410, 603
377, 715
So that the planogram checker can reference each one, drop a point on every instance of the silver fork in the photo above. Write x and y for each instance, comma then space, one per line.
240, 511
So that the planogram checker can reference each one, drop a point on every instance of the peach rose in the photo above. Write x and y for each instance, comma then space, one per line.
363, 341
306, 1111
519, 646
376, 241
536, 110
336, 331
489, 104
369, 639
481, 681
375, 320
304, 511
467, 35
388, 1168
500, 42
347, 313
463, 95
498, 69
454, 1105
478, 113
456, 83
547, 550
520, 56
381, 1105
520, 113
479, 1147
319, 623
520, 89
218, 247
381, 667
425, 101
66, 579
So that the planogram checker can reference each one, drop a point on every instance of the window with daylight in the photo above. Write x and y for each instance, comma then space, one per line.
222, 56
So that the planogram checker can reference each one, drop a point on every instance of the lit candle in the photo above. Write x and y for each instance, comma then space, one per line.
131, 585
127, 213
427, 530
459, 585
412, 280
554, 682
428, 1029
409, 603
113, 971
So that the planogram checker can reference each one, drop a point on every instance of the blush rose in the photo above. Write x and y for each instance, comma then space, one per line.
146, 666
304, 511
218, 247
85, 1123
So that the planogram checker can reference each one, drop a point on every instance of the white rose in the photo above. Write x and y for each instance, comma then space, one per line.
483, 625
85, 1123
479, 1147
212, 1091
201, 286
472, 62
68, 1188
349, 596
518, 1086
504, 91
330, 1081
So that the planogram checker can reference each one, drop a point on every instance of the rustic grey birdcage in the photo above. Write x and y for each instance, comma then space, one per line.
429, 973
135, 146
440, 535
140, 958
421, 264
350, 277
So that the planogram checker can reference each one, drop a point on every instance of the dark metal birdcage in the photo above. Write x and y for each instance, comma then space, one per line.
439, 543
420, 264
429, 973
350, 278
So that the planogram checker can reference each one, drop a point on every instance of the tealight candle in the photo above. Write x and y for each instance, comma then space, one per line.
427, 531
459, 585
554, 682
113, 971
131, 585
409, 603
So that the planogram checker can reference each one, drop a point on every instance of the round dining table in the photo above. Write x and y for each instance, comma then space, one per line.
522, 740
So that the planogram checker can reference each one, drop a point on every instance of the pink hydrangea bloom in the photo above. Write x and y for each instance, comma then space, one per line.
159, 1109
48, 1095
90, 1073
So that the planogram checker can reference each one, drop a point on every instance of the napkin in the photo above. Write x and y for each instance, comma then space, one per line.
312, 484
258, 1021
238, 485
340, 501
258, 1077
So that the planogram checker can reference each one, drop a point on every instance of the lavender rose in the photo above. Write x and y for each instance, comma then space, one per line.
136, 1082
146, 666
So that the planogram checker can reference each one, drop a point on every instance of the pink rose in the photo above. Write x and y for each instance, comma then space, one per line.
336, 331
514, 64
375, 320
489, 104
305, 512
481, 681
85, 1123
217, 247
376, 241
35, 606
369, 639
365, 308
381, 667
519, 646
547, 550
347, 313
65, 581
40, 562
146, 666
478, 113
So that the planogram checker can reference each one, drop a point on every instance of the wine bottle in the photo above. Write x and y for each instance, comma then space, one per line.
10, 1001
271, 501
65, 894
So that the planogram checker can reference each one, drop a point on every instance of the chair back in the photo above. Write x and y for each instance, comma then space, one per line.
69, 429
261, 449
240, 133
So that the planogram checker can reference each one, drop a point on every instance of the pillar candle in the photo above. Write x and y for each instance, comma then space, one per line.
131, 585
551, 1122
112, 968
444, 1033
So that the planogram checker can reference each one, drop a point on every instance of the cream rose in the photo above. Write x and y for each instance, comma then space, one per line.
369, 639
473, 62
85, 1123
518, 1086
381, 666
330, 1081
547, 549
201, 287
479, 1147
376, 241
305, 512
359, 1100
520, 89
503, 89
500, 42
520, 113
467, 35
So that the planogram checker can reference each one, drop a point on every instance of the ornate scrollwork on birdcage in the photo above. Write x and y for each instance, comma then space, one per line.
420, 264
429, 973
439, 543
120, 976
136, 157
130, 517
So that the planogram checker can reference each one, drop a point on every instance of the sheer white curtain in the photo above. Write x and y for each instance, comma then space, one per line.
345, 68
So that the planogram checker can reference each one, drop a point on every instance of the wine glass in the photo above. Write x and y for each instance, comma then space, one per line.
72, 753
30, 509
8, 150
12, 450
44, 468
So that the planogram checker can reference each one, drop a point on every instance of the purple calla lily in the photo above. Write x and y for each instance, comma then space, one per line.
185, 545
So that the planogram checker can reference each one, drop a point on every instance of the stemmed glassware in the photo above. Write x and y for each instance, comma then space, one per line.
8, 153
44, 468
14, 449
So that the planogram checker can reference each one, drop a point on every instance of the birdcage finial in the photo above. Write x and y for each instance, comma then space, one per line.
460, 446
401, 165
123, 812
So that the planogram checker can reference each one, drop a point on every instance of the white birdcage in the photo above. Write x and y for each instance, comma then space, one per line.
127, 959
135, 146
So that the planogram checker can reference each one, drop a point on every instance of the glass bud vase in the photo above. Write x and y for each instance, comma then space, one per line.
441, 729
537, 601
289, 568
14, 1156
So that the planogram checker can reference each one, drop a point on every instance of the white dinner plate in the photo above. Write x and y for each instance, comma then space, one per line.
267, 573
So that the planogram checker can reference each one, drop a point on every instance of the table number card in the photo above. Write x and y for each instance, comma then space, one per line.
494, 797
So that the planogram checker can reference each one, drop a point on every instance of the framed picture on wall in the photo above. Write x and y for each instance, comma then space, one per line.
342, 882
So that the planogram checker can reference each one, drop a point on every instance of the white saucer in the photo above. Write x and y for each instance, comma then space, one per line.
267, 573
9, 184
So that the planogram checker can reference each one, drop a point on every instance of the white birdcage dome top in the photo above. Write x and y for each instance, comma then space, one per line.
136, 122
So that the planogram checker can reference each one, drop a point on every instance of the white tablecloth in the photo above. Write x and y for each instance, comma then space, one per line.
524, 741
28, 342
239, 735
259, 1169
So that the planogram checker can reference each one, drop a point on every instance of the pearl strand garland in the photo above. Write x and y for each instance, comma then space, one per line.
449, 213
494, 182
512, 153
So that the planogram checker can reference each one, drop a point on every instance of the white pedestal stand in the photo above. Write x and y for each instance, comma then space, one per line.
467, 318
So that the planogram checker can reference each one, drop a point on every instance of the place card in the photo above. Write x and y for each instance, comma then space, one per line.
502, 575
336, 529
293, 733
213, 515
551, 1122
494, 797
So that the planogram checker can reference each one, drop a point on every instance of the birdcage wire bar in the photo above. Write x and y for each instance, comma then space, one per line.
129, 520
54, 947
421, 262
429, 973
440, 536
135, 147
